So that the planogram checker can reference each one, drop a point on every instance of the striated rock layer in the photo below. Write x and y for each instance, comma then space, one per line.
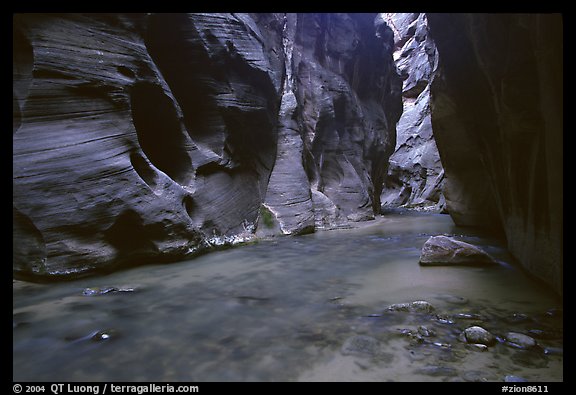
415, 175
497, 113
141, 137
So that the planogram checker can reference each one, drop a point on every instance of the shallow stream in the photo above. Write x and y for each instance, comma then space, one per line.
307, 308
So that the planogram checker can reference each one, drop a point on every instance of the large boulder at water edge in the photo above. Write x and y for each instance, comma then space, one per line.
444, 250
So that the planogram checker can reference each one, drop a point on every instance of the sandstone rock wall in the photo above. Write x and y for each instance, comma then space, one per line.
415, 175
141, 137
497, 113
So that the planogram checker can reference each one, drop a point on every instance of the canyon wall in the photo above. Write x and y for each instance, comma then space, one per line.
415, 175
497, 115
153, 137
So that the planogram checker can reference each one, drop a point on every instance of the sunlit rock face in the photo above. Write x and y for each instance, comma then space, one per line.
415, 175
497, 109
149, 137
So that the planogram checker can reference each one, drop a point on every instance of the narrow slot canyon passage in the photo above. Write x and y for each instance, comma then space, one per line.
371, 197
415, 176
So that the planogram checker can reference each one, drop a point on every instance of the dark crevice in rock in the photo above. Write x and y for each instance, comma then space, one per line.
214, 167
223, 98
189, 205
416, 90
146, 173
129, 235
159, 131
126, 72
176, 47
50, 74
249, 142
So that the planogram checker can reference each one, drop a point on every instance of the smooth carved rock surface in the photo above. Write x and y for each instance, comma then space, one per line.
497, 115
140, 137
444, 250
340, 104
415, 175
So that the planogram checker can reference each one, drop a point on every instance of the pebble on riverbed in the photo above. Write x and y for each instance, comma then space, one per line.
419, 335
103, 335
554, 351
520, 340
418, 306
96, 291
477, 335
477, 347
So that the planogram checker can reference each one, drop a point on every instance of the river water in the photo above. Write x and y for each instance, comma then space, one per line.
306, 308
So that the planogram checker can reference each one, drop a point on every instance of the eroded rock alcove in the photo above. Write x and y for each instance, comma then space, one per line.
142, 137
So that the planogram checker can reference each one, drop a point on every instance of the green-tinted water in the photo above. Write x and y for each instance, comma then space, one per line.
292, 308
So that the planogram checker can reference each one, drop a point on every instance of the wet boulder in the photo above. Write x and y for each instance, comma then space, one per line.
97, 291
444, 250
478, 335
418, 306
520, 340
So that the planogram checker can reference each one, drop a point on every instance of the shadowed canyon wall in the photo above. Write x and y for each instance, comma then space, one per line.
497, 108
140, 137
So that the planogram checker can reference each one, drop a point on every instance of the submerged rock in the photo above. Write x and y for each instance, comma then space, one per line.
443, 319
529, 359
517, 318
425, 331
477, 347
418, 306
469, 316
104, 335
361, 345
453, 299
514, 379
444, 250
474, 376
422, 335
554, 351
478, 335
520, 340
437, 371
97, 336
96, 291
